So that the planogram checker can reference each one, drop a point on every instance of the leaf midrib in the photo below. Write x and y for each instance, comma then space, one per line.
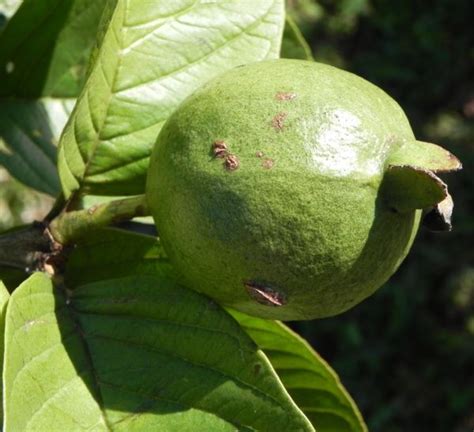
88, 355
165, 353
98, 139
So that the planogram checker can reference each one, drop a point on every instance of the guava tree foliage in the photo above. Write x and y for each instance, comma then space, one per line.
97, 332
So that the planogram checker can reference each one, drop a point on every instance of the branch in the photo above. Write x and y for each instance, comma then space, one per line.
70, 226
25, 248
34, 247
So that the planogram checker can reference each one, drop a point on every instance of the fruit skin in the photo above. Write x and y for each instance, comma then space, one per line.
267, 187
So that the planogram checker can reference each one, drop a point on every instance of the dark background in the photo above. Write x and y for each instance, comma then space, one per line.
407, 353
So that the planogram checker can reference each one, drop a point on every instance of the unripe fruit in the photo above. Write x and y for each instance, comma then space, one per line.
290, 189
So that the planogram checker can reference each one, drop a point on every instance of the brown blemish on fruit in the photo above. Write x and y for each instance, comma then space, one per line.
259, 154
231, 162
285, 96
278, 121
265, 294
257, 367
219, 149
268, 163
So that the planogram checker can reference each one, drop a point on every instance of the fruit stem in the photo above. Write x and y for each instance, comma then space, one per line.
70, 226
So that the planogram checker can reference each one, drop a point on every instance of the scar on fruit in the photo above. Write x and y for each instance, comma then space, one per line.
265, 294
278, 121
259, 154
219, 149
231, 162
285, 96
268, 163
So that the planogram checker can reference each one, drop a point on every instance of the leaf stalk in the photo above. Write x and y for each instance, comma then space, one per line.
68, 227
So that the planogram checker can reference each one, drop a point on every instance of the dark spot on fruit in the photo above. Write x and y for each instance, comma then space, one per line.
285, 96
219, 149
265, 294
259, 154
268, 163
257, 367
231, 162
393, 210
278, 121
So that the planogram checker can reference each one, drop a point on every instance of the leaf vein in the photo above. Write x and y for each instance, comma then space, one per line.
256, 390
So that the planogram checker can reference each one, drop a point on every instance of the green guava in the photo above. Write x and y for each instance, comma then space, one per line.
291, 190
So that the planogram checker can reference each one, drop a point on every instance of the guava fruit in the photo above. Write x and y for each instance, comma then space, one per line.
291, 190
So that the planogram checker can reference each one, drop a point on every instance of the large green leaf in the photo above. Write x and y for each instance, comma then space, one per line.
151, 56
44, 51
135, 353
307, 377
311, 382
45, 48
4, 297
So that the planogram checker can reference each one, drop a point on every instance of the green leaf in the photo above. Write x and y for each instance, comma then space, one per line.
110, 252
44, 51
4, 297
311, 382
151, 56
45, 48
294, 44
133, 354
29, 132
